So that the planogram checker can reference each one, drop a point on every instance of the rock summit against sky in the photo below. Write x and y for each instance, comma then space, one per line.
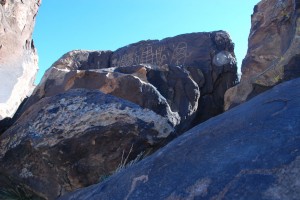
149, 120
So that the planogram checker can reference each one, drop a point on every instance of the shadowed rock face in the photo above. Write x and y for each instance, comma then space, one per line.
71, 140
273, 50
166, 76
244, 153
18, 58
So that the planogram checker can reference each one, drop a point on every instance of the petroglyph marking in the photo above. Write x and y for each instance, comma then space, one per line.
198, 189
180, 54
160, 57
143, 179
149, 55
225, 190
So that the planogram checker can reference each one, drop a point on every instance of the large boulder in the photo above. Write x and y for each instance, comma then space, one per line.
74, 139
208, 57
18, 57
273, 51
166, 76
244, 153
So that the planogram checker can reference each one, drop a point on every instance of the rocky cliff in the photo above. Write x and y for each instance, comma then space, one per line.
96, 109
18, 57
273, 50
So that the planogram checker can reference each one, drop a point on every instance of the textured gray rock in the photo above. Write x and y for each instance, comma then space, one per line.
72, 139
273, 51
248, 152
18, 58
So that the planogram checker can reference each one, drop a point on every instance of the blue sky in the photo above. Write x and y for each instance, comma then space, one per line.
65, 25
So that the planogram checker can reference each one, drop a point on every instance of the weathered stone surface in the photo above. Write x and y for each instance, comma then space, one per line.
72, 139
273, 51
18, 58
249, 152
165, 76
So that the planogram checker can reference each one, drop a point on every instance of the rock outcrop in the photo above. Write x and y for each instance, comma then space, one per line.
18, 58
166, 76
273, 52
71, 131
74, 139
244, 153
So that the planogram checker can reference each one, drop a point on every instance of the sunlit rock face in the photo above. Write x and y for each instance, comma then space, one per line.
273, 52
18, 57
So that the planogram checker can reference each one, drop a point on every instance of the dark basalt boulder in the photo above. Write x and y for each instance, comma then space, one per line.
208, 57
73, 139
249, 152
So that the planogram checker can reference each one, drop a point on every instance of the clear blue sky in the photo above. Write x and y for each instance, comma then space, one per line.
64, 25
